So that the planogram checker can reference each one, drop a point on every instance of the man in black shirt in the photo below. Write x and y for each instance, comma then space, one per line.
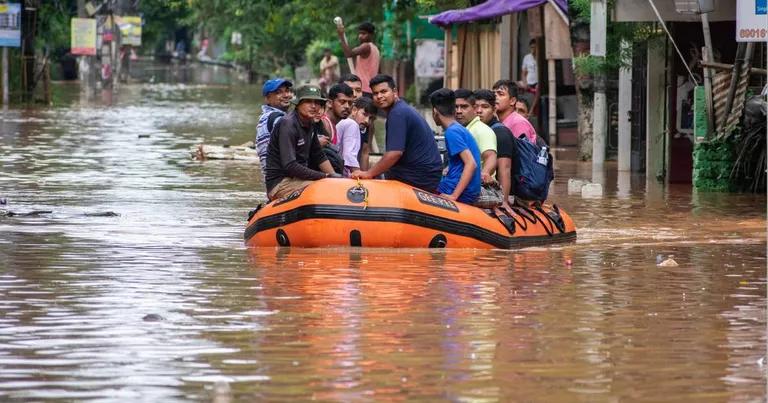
295, 157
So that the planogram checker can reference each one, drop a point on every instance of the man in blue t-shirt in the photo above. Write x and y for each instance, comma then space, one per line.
411, 156
462, 183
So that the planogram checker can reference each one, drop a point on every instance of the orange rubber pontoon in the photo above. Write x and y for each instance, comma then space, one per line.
379, 213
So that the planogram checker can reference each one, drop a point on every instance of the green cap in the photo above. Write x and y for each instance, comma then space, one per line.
308, 92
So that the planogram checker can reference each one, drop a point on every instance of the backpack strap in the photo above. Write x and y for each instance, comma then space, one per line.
272, 118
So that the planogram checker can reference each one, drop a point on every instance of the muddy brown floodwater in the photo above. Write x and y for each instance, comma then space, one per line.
162, 302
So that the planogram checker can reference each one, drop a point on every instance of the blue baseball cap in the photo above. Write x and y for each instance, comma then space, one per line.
272, 85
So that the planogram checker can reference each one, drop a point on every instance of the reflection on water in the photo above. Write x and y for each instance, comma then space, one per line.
597, 320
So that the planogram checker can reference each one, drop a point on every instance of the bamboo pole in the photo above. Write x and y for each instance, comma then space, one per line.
707, 56
5, 76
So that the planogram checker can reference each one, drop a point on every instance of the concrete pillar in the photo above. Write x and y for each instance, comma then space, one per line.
598, 31
624, 185
625, 106
551, 75
655, 124
600, 124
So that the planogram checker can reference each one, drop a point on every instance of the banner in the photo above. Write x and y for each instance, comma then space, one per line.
10, 25
130, 30
83, 36
430, 58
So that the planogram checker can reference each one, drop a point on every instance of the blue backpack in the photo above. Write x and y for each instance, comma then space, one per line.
532, 168
532, 171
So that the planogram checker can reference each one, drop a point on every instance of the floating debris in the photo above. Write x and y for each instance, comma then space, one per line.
102, 214
668, 262
153, 317
33, 213
204, 152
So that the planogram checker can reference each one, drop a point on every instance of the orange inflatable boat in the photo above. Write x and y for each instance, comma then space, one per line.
379, 213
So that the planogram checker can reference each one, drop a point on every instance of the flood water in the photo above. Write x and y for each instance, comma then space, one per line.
162, 301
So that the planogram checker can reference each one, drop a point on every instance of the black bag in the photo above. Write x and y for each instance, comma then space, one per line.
334, 157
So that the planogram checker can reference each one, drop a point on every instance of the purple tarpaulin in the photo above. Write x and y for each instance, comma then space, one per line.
490, 9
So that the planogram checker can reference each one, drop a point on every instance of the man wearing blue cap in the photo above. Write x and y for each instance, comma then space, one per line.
278, 94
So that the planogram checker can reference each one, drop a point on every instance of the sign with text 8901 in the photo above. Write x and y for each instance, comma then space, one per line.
752, 20
10, 25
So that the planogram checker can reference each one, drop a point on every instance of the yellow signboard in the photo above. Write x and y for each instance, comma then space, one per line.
130, 30
83, 36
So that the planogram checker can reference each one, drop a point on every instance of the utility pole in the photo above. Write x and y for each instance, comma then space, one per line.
28, 31
85, 64
625, 108
5, 76
598, 28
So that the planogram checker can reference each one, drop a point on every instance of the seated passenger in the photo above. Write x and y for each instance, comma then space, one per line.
485, 109
462, 182
294, 148
483, 135
506, 100
363, 113
411, 156
277, 94
346, 132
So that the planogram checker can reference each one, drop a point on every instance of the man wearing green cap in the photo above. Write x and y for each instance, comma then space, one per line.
294, 150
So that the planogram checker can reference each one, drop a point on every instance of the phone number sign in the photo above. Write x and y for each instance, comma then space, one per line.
752, 21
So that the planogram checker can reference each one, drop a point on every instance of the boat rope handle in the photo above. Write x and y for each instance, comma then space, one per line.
554, 224
365, 200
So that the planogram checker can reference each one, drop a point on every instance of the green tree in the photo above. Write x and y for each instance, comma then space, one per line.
588, 66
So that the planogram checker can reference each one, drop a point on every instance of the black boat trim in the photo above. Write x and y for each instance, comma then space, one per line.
403, 216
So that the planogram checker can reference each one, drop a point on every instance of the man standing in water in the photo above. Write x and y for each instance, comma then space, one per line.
329, 69
366, 54
277, 94
412, 156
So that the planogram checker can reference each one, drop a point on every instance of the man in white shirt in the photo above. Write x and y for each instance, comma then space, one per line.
530, 74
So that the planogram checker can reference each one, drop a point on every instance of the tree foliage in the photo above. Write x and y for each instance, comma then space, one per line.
277, 33
616, 56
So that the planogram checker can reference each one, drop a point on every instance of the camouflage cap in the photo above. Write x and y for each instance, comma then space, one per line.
309, 92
